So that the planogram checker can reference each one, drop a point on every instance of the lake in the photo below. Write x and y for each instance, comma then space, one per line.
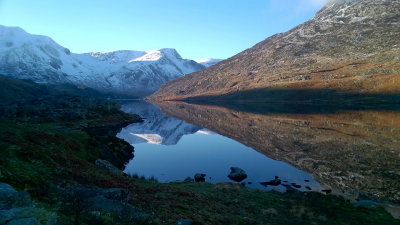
354, 153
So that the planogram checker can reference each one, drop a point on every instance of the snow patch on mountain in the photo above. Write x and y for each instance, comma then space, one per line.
39, 58
207, 62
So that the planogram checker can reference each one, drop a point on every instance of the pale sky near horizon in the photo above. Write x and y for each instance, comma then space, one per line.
197, 29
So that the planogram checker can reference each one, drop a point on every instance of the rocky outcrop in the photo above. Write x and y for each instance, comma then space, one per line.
79, 202
17, 208
349, 46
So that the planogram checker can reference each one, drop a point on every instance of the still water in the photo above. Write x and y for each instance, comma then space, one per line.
354, 153
170, 149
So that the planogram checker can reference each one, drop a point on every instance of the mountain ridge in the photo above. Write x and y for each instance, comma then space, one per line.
41, 59
348, 46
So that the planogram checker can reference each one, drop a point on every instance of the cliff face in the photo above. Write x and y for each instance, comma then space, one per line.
351, 152
350, 46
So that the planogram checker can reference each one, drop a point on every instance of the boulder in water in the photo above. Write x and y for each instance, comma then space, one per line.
237, 174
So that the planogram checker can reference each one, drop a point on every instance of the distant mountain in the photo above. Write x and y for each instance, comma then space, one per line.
208, 61
157, 128
349, 46
39, 58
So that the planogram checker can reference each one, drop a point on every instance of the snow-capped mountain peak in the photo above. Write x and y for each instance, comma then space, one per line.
13, 37
121, 56
155, 55
138, 73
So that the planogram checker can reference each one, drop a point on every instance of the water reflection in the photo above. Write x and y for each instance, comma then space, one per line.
354, 153
170, 149
157, 128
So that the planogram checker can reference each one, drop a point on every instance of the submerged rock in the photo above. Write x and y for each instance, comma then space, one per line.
296, 185
274, 182
237, 174
200, 177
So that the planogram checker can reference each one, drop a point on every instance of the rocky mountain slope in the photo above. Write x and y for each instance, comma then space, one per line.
349, 45
39, 58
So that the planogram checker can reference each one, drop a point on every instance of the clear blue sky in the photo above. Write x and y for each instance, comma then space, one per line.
196, 28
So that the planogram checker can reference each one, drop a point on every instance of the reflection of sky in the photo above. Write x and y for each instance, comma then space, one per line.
213, 155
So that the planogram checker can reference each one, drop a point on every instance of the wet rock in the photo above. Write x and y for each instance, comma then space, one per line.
200, 177
237, 174
308, 188
249, 182
296, 185
184, 222
274, 182
104, 164
307, 181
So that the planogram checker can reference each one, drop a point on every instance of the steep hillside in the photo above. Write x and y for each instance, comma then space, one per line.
349, 45
40, 59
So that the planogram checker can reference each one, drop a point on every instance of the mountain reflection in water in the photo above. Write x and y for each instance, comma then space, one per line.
354, 153
170, 150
